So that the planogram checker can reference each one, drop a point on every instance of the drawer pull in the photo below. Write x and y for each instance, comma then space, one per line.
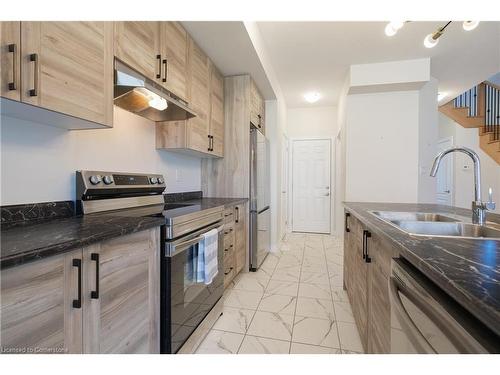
237, 219
77, 303
164, 70
346, 224
158, 75
366, 235
228, 272
34, 90
95, 293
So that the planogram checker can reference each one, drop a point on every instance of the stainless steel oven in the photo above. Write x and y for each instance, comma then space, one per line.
424, 319
184, 301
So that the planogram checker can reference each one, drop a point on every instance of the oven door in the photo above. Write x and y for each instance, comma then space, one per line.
185, 302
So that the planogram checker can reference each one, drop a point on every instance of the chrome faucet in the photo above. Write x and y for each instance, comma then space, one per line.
479, 207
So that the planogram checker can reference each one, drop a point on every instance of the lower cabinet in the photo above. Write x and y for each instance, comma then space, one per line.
235, 242
367, 261
100, 299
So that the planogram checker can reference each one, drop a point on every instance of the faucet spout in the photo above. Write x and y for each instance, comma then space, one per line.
477, 167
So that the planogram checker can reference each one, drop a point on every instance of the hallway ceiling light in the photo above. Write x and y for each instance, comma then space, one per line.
393, 27
470, 25
432, 40
312, 97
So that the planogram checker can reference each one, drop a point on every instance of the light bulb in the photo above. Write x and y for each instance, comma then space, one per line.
312, 97
393, 27
430, 42
470, 25
158, 103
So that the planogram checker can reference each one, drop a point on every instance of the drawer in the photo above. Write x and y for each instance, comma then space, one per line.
229, 269
228, 249
229, 215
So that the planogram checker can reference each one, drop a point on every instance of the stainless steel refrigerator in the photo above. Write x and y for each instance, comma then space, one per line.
260, 213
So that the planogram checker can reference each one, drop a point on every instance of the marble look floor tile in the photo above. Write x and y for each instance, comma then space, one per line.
262, 345
234, 320
287, 274
349, 337
271, 261
284, 288
314, 291
351, 352
243, 299
337, 281
220, 342
271, 325
339, 294
262, 273
315, 332
315, 308
314, 278
334, 258
343, 312
312, 260
335, 269
278, 304
252, 283
298, 348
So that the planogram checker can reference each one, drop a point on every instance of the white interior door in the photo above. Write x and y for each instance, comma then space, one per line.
311, 186
284, 186
444, 188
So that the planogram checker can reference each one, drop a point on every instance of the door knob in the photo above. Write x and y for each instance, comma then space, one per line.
327, 194
447, 191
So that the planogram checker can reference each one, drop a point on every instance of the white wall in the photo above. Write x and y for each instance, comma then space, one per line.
307, 123
463, 185
382, 151
39, 162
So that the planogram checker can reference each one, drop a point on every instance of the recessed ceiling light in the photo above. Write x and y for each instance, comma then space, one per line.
312, 97
441, 96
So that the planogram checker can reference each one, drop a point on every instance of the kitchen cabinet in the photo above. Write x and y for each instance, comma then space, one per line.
10, 59
367, 262
174, 51
40, 312
103, 298
240, 236
137, 44
257, 107
122, 295
202, 135
63, 67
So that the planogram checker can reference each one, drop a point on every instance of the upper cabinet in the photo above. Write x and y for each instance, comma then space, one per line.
137, 44
10, 57
65, 67
202, 135
257, 107
174, 52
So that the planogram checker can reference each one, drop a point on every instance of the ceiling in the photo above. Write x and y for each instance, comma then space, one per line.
315, 56
230, 48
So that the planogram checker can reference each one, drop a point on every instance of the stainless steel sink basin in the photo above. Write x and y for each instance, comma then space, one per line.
437, 225
412, 216
447, 229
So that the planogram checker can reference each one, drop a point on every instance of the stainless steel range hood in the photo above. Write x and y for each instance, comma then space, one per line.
138, 94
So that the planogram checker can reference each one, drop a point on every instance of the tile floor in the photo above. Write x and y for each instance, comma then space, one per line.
293, 304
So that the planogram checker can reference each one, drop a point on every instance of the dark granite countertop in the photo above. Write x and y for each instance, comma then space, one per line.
468, 270
28, 240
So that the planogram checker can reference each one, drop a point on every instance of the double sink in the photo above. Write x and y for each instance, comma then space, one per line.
438, 225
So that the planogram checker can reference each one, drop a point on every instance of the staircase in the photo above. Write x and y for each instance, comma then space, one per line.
479, 108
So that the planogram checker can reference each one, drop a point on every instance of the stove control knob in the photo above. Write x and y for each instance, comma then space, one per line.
153, 180
96, 179
108, 180
161, 180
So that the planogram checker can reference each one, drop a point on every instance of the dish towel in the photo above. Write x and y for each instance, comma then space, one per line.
207, 266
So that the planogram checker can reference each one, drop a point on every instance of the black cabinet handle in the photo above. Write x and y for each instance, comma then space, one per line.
95, 293
237, 214
347, 215
13, 50
164, 70
77, 303
34, 90
366, 235
158, 75
228, 272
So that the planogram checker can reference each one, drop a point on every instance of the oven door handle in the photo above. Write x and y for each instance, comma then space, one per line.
174, 249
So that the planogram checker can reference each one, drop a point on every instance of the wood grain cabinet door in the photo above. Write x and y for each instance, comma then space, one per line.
137, 44
67, 67
217, 111
379, 325
199, 76
240, 236
255, 103
10, 60
174, 45
122, 295
37, 311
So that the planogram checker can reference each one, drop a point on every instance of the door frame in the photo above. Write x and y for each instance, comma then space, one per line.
291, 141
452, 168
285, 179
